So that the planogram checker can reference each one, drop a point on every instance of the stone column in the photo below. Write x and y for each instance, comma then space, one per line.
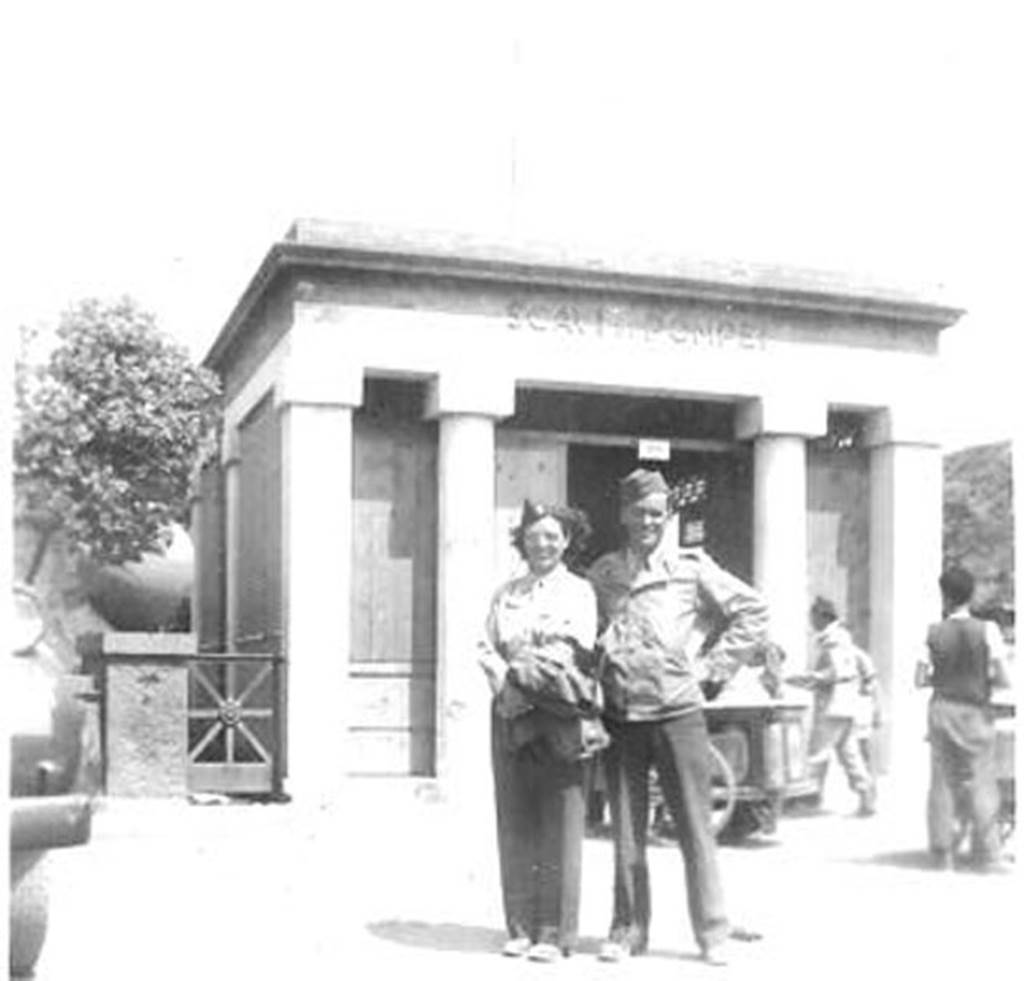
906, 559
315, 397
466, 409
231, 461
780, 428
195, 518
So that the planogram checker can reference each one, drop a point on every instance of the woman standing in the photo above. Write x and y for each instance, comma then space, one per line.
539, 660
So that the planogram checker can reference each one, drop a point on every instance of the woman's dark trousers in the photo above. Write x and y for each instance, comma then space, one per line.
678, 749
540, 808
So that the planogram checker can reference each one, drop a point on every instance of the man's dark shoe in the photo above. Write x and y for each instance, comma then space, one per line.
612, 951
993, 866
942, 861
868, 803
716, 955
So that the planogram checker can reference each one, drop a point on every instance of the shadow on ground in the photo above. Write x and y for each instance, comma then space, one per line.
467, 939
458, 937
918, 859
750, 843
907, 859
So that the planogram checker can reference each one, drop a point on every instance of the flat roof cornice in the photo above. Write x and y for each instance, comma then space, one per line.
312, 244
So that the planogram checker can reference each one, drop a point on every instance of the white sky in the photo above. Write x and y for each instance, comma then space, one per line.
161, 148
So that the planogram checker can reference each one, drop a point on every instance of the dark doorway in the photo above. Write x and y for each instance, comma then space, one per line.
725, 513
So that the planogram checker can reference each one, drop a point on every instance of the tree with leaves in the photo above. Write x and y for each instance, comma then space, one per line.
109, 428
978, 518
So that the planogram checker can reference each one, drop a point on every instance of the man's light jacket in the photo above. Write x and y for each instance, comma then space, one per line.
666, 624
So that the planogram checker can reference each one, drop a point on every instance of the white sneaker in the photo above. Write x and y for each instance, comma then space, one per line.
546, 953
516, 947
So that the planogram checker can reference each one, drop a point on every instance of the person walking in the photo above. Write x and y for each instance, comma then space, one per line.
966, 659
841, 678
659, 606
538, 657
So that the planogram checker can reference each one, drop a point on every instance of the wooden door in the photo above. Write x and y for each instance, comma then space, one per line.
394, 541
726, 514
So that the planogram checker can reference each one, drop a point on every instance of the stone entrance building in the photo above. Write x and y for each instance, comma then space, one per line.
390, 402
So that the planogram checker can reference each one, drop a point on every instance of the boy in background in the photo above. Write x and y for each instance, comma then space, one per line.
841, 677
965, 660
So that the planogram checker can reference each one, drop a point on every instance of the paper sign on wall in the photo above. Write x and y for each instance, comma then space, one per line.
653, 449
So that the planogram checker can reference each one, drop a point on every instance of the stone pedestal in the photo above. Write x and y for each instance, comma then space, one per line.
145, 713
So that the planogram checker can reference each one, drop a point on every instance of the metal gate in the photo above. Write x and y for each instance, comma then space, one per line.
234, 723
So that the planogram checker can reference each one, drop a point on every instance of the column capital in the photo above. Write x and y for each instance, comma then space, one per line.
904, 424
782, 415
230, 449
471, 393
309, 380
318, 367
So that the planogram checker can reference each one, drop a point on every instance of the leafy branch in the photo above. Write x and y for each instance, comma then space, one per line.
108, 429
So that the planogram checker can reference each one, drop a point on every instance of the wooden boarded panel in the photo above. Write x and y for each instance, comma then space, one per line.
230, 778
394, 546
259, 544
396, 702
396, 752
525, 467
394, 542
838, 516
595, 472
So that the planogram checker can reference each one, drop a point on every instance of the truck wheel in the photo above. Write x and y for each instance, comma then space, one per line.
723, 799
723, 791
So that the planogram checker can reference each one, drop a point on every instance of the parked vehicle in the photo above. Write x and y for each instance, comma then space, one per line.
764, 745
46, 724
758, 762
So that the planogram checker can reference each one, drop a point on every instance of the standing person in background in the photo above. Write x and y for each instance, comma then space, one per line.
539, 660
658, 603
965, 661
868, 719
841, 676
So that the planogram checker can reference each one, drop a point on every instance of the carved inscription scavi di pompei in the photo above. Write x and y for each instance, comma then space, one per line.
649, 324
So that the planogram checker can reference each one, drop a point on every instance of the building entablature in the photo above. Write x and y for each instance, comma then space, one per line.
539, 289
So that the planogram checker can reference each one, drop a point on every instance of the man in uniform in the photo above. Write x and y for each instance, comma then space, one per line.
658, 606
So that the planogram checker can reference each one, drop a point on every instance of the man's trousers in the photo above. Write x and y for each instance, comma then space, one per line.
839, 734
540, 808
678, 749
963, 785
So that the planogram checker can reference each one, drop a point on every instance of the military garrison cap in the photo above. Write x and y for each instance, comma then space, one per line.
640, 483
